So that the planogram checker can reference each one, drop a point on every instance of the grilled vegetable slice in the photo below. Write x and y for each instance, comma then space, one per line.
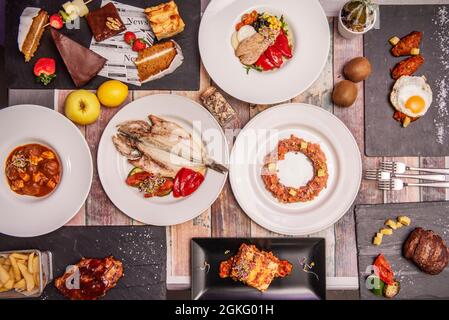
392, 290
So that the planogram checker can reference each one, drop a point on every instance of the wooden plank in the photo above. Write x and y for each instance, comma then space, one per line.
60, 95
432, 194
353, 117
228, 219
319, 94
100, 210
181, 234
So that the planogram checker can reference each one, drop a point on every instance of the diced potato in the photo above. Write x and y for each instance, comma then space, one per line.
48, 155
303, 145
414, 51
391, 223
406, 122
404, 220
377, 241
394, 40
272, 167
321, 173
386, 231
292, 192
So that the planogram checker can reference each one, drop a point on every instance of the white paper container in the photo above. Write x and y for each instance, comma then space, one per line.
349, 34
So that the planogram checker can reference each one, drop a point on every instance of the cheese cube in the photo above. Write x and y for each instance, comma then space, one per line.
386, 231
404, 220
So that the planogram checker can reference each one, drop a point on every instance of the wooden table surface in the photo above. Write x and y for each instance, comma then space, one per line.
225, 218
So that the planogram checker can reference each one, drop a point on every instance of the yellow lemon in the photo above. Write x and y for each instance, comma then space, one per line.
112, 93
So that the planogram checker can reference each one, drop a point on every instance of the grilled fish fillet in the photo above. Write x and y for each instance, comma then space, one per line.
165, 136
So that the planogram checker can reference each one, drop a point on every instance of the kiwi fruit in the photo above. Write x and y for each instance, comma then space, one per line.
358, 69
345, 93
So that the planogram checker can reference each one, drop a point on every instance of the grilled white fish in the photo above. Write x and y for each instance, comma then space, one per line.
164, 136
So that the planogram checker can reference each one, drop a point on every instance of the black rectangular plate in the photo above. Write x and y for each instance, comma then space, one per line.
142, 249
299, 285
383, 135
20, 74
414, 283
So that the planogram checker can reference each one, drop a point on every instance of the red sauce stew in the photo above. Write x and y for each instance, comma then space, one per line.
33, 170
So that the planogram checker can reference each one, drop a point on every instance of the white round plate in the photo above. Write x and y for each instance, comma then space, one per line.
114, 168
260, 137
25, 216
310, 30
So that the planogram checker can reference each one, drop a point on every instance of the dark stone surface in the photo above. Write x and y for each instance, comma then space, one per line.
20, 74
383, 135
415, 284
142, 249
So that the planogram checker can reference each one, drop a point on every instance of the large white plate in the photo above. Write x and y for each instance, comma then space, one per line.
310, 30
25, 216
260, 136
114, 168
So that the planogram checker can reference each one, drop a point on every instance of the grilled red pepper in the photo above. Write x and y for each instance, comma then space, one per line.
186, 182
282, 44
264, 63
151, 185
275, 56
384, 271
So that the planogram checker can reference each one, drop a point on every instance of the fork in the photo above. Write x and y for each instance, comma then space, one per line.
385, 175
396, 184
399, 167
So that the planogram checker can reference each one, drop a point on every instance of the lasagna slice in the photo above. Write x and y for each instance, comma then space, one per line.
254, 267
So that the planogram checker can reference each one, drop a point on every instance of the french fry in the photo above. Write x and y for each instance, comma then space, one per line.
19, 256
15, 268
2, 260
4, 275
30, 284
30, 262
9, 285
20, 285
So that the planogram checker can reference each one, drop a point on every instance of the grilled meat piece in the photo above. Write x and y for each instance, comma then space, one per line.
407, 67
250, 49
254, 267
427, 250
406, 44
96, 278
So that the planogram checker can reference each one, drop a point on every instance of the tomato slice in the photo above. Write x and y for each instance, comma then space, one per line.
137, 178
384, 271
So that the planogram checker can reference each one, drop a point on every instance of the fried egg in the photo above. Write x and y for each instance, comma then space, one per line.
411, 95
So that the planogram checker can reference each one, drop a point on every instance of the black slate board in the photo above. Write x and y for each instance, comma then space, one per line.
414, 283
298, 285
383, 135
142, 249
20, 74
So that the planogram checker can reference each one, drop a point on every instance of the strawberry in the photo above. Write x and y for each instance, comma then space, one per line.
130, 37
44, 70
56, 21
139, 44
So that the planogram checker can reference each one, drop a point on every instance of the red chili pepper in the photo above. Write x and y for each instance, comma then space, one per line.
186, 182
264, 63
384, 271
275, 56
282, 44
